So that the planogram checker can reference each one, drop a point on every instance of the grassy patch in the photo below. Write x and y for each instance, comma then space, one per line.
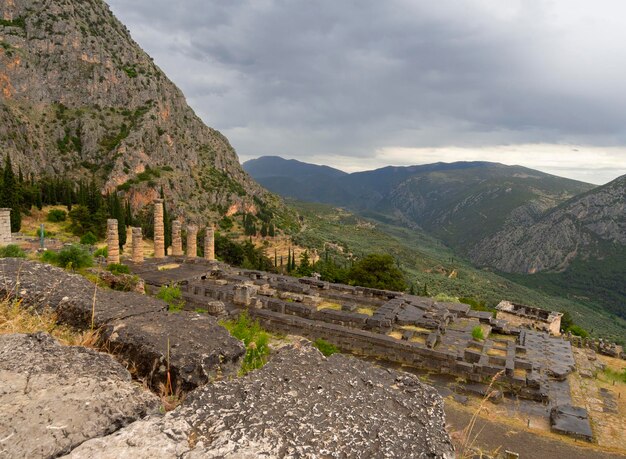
12, 251
611, 375
254, 338
15, 318
477, 333
325, 347
172, 295
71, 257
118, 268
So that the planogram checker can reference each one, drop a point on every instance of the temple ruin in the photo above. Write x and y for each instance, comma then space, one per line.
209, 244
522, 316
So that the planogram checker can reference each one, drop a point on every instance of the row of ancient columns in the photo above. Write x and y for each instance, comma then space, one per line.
159, 239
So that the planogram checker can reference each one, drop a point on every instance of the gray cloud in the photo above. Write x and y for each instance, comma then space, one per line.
350, 78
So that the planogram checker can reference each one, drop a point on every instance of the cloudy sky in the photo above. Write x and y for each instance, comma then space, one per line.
359, 84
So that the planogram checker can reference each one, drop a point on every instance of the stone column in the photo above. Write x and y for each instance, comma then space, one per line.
5, 226
209, 244
159, 229
129, 239
137, 246
192, 245
113, 242
177, 240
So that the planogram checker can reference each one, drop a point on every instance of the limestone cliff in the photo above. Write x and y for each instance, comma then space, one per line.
80, 97
591, 224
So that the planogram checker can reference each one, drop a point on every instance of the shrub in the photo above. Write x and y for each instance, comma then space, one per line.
477, 333
56, 215
118, 268
325, 347
88, 238
45, 233
172, 296
254, 338
578, 331
71, 257
12, 251
101, 252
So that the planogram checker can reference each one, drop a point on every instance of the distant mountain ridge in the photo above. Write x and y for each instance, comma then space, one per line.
461, 203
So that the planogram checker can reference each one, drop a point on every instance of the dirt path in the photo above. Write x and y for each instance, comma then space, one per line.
494, 435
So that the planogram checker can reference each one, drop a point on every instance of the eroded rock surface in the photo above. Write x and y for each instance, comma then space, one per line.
300, 404
54, 397
138, 328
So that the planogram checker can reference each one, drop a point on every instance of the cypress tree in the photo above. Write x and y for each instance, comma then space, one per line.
10, 196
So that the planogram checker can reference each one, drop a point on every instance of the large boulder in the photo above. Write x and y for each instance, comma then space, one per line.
54, 397
301, 404
193, 347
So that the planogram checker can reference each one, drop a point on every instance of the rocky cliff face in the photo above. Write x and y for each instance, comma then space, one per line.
80, 97
591, 224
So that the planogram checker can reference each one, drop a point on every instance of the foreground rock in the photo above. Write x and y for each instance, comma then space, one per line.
300, 404
135, 327
53, 397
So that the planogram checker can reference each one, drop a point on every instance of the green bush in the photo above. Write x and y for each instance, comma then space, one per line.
12, 251
172, 296
101, 252
118, 268
45, 233
56, 215
71, 257
477, 333
88, 238
325, 347
578, 331
254, 338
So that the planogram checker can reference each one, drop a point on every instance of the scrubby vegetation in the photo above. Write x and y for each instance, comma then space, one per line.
71, 257
477, 333
56, 215
118, 268
172, 295
254, 338
12, 251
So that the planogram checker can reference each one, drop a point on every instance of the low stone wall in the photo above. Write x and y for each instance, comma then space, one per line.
377, 345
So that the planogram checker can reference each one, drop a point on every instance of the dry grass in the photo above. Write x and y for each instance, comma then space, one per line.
415, 328
366, 311
467, 438
14, 318
395, 334
497, 352
329, 305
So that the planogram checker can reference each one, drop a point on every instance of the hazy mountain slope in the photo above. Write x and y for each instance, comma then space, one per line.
586, 225
577, 250
427, 261
80, 97
460, 203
